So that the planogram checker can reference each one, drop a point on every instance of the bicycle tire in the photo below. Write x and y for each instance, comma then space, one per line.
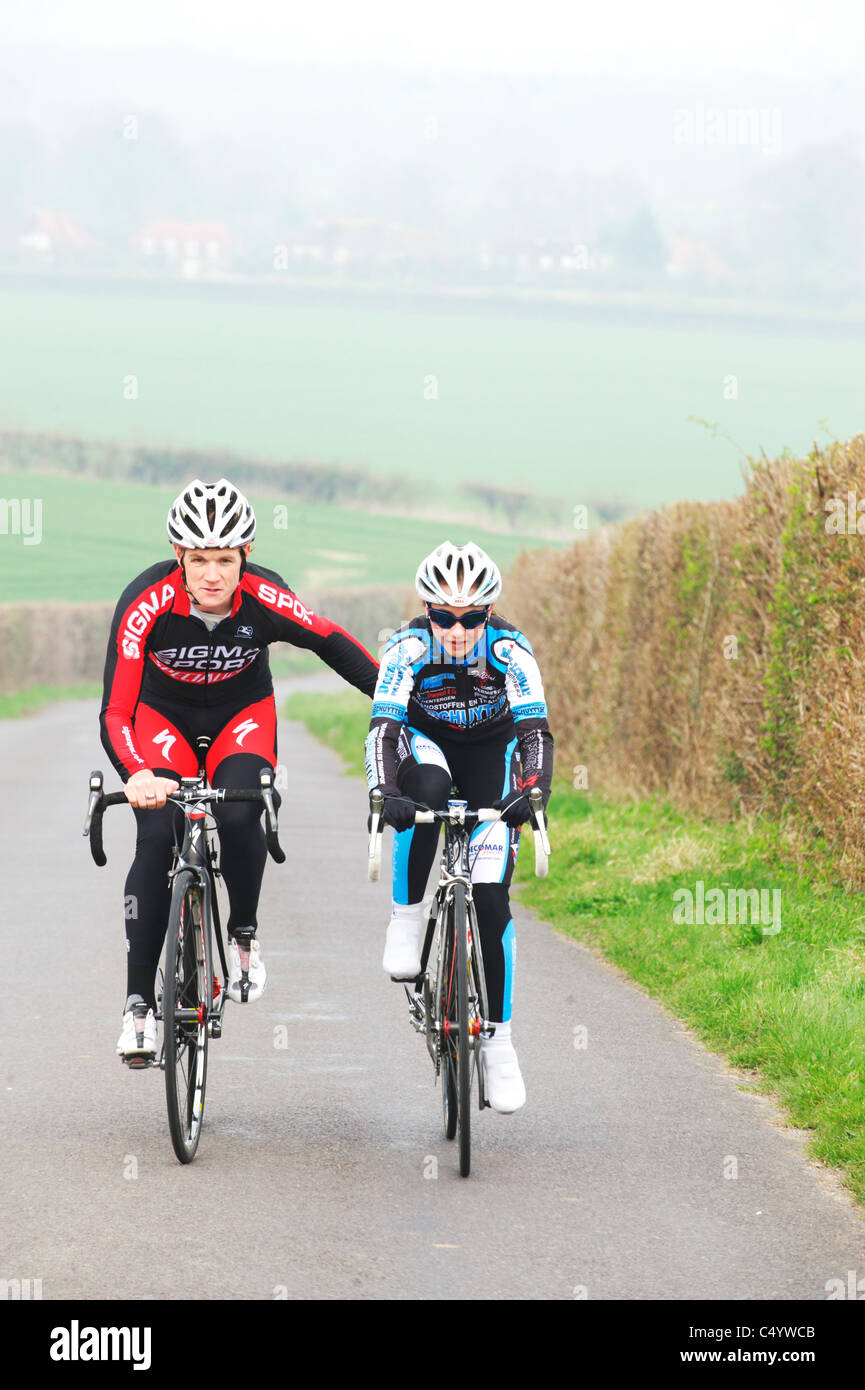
185, 1040
449, 1096
447, 1012
463, 1041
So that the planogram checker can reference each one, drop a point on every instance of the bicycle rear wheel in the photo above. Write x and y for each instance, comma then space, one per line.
186, 1001
449, 1095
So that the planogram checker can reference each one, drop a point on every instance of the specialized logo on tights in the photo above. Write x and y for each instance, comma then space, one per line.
247, 727
164, 739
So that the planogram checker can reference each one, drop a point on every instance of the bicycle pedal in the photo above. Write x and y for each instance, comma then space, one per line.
138, 1063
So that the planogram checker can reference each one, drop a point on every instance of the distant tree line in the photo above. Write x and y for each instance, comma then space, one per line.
157, 466
161, 467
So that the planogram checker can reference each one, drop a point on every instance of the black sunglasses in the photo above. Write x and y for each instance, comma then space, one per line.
442, 618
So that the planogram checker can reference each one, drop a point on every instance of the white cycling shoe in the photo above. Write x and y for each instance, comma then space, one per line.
246, 972
504, 1087
137, 1042
402, 946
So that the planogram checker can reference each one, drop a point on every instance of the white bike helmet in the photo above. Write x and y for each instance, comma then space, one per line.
211, 515
462, 576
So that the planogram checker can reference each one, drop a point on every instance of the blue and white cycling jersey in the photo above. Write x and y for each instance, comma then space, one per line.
496, 689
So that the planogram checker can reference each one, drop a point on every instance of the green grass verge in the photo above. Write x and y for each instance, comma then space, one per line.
341, 721
789, 1006
37, 696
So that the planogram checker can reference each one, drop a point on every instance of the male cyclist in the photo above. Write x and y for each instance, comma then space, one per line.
187, 656
459, 699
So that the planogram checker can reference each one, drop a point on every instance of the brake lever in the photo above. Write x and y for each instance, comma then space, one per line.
376, 807
271, 825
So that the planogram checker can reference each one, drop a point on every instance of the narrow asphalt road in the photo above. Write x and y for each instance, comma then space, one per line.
322, 1169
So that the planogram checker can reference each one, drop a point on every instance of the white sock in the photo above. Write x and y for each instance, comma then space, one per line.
409, 910
502, 1034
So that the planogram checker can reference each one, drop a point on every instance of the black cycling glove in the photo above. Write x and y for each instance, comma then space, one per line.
515, 808
399, 811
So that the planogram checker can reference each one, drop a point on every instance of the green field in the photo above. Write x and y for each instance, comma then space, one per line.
525, 399
96, 536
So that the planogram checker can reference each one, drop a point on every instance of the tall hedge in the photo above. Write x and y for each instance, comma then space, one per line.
715, 651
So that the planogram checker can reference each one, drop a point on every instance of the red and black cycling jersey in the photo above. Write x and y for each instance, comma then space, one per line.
159, 650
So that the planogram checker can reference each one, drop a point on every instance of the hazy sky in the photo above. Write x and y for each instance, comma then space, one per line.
794, 38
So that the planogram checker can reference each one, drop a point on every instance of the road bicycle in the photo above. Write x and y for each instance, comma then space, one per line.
191, 999
448, 1000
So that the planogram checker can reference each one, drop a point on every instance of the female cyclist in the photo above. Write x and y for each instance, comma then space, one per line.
459, 700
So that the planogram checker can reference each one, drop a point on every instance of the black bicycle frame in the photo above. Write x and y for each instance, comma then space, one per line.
195, 854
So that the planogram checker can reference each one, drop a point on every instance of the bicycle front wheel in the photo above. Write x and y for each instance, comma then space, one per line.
447, 1016
186, 1001
463, 1053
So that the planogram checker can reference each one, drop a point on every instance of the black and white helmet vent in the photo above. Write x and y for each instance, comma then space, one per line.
462, 576
211, 515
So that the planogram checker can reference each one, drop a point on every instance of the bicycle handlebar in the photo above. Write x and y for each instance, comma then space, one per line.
485, 815
100, 800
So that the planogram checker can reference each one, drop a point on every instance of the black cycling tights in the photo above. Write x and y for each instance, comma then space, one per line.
243, 851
